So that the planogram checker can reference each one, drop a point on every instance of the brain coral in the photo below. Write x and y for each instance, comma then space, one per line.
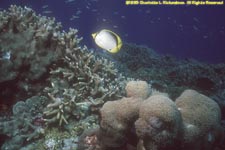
201, 116
159, 122
118, 114
137, 89
117, 118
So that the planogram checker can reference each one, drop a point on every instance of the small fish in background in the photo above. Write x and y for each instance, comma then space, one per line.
221, 32
174, 21
148, 11
205, 37
69, 1
74, 17
140, 10
78, 12
123, 17
89, 4
152, 22
104, 20
44, 7
126, 35
47, 12
115, 13
87, 7
94, 10
196, 19
108, 40
115, 26
195, 28
181, 27
5, 55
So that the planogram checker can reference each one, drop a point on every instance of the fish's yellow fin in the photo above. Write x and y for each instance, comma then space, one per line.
94, 35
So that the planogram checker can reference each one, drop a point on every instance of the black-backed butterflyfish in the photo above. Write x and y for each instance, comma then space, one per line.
108, 40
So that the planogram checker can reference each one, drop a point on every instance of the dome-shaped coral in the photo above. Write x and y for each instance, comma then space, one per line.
137, 89
119, 113
201, 116
117, 118
159, 123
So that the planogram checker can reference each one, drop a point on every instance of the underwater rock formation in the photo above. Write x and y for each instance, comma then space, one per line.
158, 123
29, 46
168, 74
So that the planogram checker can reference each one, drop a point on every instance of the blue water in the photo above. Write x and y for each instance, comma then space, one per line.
183, 31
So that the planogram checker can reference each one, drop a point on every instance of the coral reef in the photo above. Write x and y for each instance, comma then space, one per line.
138, 89
26, 123
202, 121
117, 118
66, 85
89, 140
37, 54
29, 46
157, 123
116, 123
167, 74
87, 77
81, 80
220, 99
53, 139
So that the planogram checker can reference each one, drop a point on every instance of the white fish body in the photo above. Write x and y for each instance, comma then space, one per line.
107, 40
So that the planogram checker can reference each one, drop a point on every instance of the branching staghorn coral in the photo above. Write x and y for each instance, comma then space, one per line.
79, 81
58, 113
35, 43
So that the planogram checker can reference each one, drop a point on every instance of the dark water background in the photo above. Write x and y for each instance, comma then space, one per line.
183, 31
